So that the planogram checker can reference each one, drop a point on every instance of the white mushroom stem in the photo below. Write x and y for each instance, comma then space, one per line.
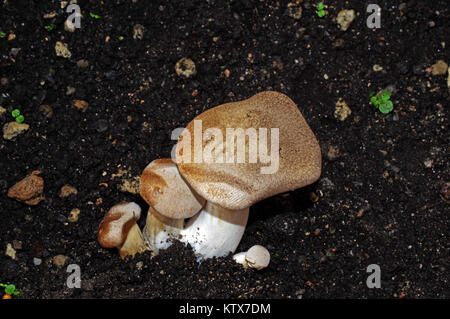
134, 243
215, 231
159, 230
240, 259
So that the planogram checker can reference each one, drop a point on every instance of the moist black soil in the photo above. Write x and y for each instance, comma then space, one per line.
383, 194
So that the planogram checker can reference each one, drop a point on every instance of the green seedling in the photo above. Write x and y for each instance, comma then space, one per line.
320, 10
10, 289
382, 101
20, 119
2, 34
16, 114
93, 15
120, 38
50, 27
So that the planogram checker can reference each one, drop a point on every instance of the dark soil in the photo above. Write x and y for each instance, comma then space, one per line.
382, 198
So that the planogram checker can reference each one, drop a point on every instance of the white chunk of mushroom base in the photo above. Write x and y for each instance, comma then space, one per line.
257, 257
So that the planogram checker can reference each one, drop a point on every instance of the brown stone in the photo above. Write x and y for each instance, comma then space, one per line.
439, 68
67, 190
29, 190
80, 105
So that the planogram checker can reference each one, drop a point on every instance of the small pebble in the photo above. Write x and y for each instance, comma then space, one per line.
345, 18
50, 15
138, 32
130, 185
13, 129
67, 190
10, 251
428, 163
62, 50
342, 111
59, 260
333, 153
295, 10
185, 67
377, 68
80, 105
37, 261
73, 217
439, 68
70, 90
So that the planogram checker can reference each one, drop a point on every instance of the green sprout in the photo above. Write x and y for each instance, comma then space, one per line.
276, 255
2, 34
10, 289
50, 27
320, 10
382, 101
16, 114
93, 15
20, 119
120, 38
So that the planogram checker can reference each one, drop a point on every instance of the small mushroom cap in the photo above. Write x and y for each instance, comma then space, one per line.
117, 223
257, 257
239, 185
163, 188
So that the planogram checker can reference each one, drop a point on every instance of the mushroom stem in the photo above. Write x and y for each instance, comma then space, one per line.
160, 230
215, 231
240, 259
134, 243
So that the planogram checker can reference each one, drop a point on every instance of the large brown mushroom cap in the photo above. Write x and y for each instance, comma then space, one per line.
239, 185
163, 188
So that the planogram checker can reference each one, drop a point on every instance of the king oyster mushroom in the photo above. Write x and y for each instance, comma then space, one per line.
223, 178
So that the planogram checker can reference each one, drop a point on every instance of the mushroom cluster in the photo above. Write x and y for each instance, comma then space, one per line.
205, 204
